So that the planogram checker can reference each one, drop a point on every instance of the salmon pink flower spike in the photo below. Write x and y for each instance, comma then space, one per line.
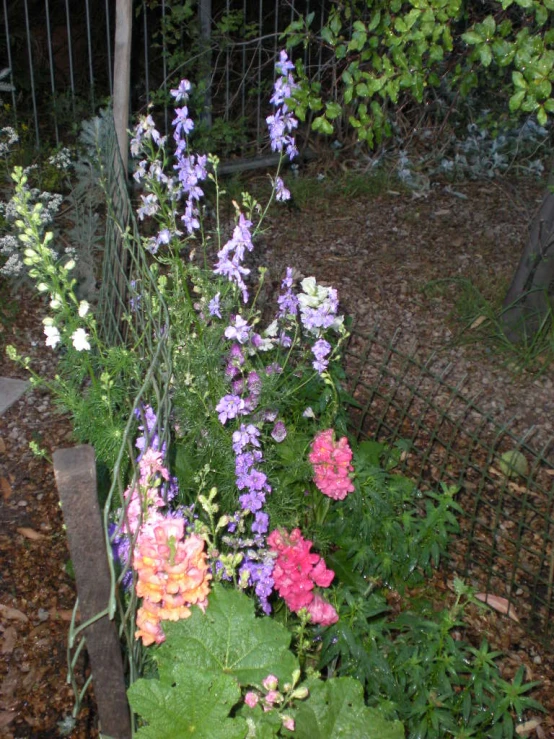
331, 461
172, 575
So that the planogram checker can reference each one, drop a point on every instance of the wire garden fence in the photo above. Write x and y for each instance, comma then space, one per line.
506, 544
141, 325
60, 57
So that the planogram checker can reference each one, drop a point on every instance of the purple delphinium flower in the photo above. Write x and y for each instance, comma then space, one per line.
259, 574
240, 331
230, 256
287, 301
261, 523
182, 123
246, 434
150, 206
281, 192
145, 129
150, 438
230, 406
214, 308
321, 349
279, 432
181, 94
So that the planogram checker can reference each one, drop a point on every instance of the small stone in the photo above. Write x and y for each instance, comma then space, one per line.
43, 614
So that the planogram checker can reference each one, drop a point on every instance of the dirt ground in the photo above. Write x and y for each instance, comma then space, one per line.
380, 250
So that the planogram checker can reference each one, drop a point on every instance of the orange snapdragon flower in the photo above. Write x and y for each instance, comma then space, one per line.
172, 573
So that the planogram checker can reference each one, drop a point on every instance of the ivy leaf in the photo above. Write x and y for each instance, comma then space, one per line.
228, 639
192, 703
485, 54
335, 708
322, 125
333, 110
516, 100
519, 80
472, 37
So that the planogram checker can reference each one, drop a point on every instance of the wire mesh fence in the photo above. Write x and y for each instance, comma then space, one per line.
131, 314
505, 546
60, 61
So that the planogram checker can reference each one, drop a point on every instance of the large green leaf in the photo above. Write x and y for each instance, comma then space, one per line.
228, 639
192, 704
336, 709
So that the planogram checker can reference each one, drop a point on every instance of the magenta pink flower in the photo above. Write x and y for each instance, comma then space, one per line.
297, 571
331, 461
322, 612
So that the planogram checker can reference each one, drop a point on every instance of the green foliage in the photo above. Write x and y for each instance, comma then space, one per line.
386, 528
193, 703
209, 657
336, 708
387, 53
228, 639
414, 668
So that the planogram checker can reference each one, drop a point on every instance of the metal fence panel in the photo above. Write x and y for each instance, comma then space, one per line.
506, 543
60, 56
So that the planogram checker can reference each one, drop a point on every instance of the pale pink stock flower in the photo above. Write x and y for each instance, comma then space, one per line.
270, 682
251, 699
288, 723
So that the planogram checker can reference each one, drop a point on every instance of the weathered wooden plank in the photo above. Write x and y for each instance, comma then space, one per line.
75, 471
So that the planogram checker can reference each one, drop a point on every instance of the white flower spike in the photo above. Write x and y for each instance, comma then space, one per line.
80, 340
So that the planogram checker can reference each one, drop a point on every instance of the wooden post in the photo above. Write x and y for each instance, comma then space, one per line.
122, 75
75, 472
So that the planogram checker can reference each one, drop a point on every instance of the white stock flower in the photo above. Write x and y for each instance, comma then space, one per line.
52, 336
80, 340
83, 308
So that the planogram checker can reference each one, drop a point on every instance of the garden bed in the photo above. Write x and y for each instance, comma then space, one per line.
379, 250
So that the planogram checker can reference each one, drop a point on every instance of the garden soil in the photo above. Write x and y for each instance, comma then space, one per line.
380, 251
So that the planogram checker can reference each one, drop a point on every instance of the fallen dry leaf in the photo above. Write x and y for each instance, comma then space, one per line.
63, 615
6, 717
2, 446
9, 639
9, 612
31, 533
527, 727
6, 488
502, 605
478, 321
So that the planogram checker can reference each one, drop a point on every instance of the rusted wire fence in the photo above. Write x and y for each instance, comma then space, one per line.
506, 544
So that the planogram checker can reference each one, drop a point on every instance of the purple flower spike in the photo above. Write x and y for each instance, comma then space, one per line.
281, 192
230, 406
279, 432
240, 331
214, 307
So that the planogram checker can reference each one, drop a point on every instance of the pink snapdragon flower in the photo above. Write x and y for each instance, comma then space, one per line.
331, 461
297, 571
